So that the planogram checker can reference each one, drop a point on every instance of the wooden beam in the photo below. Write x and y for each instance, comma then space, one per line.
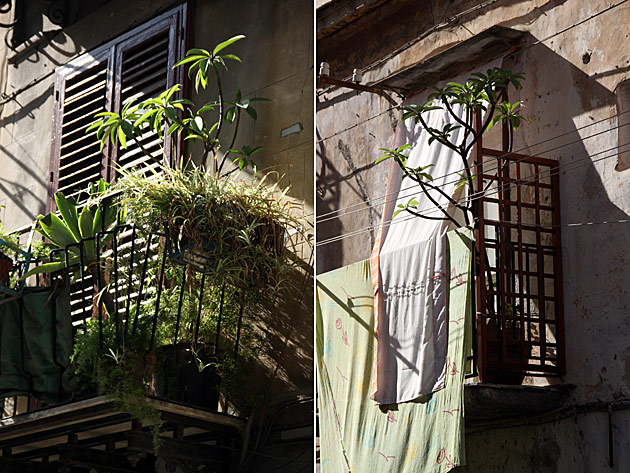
197, 453
11, 465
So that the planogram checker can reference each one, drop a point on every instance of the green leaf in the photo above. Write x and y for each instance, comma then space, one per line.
57, 231
230, 114
50, 267
188, 59
251, 112
231, 56
122, 138
219, 47
68, 210
86, 223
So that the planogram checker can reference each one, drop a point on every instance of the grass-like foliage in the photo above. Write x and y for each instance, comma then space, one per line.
238, 229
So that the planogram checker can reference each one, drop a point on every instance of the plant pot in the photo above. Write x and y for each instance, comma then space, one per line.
203, 257
500, 370
6, 264
177, 376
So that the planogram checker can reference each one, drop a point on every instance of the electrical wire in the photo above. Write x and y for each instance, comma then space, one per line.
610, 7
435, 210
570, 167
380, 199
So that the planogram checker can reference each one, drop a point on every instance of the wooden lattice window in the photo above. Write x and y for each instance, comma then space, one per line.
137, 64
520, 328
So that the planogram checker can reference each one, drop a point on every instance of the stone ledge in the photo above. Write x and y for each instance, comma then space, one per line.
487, 402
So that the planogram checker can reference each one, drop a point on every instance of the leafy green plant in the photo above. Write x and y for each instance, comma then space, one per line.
122, 373
75, 231
482, 92
204, 124
239, 227
76, 225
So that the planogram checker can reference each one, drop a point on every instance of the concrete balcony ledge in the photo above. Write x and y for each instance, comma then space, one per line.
499, 402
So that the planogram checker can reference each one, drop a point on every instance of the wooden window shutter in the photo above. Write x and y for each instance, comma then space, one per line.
137, 64
82, 89
144, 69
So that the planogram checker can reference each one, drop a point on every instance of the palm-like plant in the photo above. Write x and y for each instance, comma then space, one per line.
79, 234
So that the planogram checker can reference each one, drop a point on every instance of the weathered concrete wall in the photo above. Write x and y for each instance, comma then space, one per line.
569, 97
574, 444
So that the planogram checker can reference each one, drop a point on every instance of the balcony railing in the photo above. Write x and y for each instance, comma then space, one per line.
184, 325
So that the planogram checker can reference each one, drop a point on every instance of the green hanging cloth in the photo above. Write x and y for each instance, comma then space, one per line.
425, 435
35, 343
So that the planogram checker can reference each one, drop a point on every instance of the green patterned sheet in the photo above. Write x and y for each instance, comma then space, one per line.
358, 436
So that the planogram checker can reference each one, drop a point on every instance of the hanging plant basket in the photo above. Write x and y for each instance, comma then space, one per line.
212, 257
232, 231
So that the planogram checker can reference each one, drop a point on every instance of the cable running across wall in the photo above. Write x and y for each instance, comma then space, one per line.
380, 199
505, 187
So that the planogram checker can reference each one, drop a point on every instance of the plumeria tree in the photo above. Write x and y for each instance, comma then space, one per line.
206, 124
481, 93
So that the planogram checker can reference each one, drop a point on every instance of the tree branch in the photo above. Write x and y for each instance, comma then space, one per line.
446, 143
434, 202
436, 188
238, 118
211, 149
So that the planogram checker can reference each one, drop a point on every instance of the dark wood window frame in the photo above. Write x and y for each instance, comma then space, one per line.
520, 314
75, 156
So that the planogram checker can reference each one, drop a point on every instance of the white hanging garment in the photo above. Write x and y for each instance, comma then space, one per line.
409, 255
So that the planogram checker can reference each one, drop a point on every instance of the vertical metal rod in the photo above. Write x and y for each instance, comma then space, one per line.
116, 317
179, 305
82, 283
142, 278
98, 289
157, 302
216, 339
611, 460
240, 323
201, 288
473, 302
130, 281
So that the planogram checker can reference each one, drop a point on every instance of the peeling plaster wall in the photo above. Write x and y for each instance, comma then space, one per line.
570, 84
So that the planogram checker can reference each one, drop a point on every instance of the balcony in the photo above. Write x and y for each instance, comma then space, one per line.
140, 355
518, 343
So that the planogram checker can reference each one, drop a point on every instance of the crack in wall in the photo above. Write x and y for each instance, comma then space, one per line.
345, 152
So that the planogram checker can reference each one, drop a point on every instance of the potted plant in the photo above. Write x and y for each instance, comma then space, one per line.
217, 224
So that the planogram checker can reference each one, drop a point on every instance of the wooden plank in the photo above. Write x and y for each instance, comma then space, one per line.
11, 465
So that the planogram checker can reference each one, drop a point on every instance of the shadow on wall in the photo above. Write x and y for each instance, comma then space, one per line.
559, 97
396, 23
327, 201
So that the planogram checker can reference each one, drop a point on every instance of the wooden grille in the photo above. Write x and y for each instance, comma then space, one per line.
519, 281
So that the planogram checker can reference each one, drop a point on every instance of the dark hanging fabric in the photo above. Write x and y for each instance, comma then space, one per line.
35, 343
